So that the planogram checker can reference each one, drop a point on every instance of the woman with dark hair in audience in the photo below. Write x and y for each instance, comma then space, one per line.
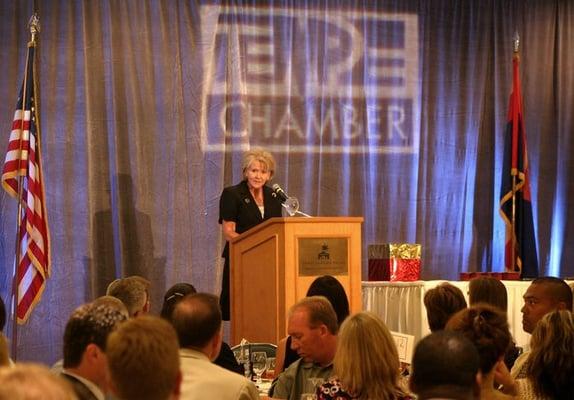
486, 289
329, 287
487, 328
366, 364
489, 290
441, 303
550, 368
174, 294
326, 286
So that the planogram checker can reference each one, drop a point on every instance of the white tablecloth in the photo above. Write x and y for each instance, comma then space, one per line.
400, 305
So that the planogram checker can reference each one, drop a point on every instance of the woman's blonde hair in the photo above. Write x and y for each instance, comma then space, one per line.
263, 156
367, 361
551, 361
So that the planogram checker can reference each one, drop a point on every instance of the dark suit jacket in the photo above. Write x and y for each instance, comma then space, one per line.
226, 359
81, 390
236, 204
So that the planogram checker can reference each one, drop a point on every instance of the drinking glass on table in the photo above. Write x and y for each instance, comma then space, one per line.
259, 363
308, 396
270, 374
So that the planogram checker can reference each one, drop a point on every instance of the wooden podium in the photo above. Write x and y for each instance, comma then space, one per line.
273, 264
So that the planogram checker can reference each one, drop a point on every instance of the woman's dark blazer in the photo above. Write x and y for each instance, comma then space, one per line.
236, 204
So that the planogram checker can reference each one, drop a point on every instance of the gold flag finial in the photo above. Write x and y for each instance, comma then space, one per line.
34, 25
516, 41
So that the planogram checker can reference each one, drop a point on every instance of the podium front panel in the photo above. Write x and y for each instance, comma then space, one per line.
265, 277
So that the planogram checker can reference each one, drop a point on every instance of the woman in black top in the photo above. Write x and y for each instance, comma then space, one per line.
245, 205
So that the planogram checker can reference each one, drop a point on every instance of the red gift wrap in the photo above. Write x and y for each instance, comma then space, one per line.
394, 262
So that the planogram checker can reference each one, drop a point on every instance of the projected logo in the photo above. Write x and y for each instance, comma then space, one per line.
309, 80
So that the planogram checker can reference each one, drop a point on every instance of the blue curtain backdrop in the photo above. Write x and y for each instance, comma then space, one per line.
390, 110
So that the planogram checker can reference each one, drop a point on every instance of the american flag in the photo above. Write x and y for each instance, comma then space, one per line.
22, 178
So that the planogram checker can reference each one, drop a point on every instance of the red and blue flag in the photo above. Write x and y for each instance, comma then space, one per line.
515, 196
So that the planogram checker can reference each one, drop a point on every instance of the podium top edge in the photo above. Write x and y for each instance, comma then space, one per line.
298, 220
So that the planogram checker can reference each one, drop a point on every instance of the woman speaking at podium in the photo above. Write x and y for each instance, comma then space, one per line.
245, 205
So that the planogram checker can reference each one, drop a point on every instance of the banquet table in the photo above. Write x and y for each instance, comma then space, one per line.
400, 305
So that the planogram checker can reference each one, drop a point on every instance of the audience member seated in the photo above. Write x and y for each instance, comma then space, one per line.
113, 303
544, 295
2, 315
445, 366
326, 286
4, 353
174, 294
366, 364
85, 361
487, 328
144, 360
33, 382
550, 365
108, 301
197, 321
133, 291
489, 290
441, 303
313, 327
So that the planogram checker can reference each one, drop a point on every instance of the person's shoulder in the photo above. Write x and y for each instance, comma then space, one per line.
282, 384
229, 375
240, 187
248, 391
519, 368
236, 191
295, 365
214, 370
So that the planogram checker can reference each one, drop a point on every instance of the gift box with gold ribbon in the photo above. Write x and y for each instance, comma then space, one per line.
394, 262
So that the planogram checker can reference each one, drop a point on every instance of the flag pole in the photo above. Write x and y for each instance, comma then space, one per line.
34, 26
514, 171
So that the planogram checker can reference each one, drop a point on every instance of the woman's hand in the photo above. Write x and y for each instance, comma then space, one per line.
502, 377
228, 228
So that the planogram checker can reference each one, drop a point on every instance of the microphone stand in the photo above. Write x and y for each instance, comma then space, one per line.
291, 204
302, 214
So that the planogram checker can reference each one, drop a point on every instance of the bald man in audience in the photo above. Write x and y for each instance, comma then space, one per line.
197, 321
133, 291
313, 328
445, 366
85, 361
143, 357
544, 295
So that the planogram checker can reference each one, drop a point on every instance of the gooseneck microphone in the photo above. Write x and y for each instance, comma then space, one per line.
280, 193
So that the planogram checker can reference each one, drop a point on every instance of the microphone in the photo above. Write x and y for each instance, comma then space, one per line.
280, 193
